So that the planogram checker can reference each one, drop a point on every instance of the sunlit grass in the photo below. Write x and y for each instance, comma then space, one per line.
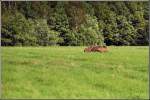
68, 72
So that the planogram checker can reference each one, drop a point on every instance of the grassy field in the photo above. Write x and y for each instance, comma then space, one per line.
68, 72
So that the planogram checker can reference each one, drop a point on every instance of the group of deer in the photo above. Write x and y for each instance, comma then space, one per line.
96, 49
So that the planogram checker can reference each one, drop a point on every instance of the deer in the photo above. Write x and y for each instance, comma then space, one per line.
96, 49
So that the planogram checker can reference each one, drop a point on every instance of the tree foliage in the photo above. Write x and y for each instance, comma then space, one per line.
74, 23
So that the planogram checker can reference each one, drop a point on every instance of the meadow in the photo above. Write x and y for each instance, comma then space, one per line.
68, 72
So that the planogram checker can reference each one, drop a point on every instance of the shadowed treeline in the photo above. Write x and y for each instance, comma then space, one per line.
43, 23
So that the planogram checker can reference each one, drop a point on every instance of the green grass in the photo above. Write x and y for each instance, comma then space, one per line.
68, 72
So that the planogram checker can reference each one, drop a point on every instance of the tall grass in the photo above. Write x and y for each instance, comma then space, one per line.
68, 72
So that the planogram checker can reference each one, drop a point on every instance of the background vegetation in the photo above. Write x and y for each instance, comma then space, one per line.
74, 23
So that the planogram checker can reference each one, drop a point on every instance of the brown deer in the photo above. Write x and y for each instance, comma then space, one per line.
88, 49
96, 49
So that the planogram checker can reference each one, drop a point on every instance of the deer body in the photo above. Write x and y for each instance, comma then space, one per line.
96, 49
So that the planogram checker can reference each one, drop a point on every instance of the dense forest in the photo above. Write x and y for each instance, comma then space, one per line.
74, 23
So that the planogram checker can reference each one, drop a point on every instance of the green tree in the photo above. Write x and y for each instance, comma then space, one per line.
45, 35
89, 33
75, 23
16, 30
58, 21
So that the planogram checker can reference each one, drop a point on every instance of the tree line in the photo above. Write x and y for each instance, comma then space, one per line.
74, 23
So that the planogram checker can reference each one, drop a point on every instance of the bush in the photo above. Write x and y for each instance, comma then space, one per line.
89, 33
16, 29
45, 36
